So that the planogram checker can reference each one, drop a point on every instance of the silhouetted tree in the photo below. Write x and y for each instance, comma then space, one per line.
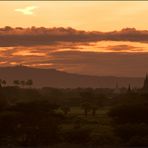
16, 82
4, 82
29, 82
30, 124
65, 109
87, 108
94, 109
8, 28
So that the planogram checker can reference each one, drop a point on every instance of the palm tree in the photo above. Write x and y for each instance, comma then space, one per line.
65, 109
3, 82
16, 82
29, 82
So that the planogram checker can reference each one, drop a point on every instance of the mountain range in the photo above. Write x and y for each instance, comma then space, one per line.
60, 79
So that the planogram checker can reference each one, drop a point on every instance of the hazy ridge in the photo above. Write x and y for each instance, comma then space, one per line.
55, 78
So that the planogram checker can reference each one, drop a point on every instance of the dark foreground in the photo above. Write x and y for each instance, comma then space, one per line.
72, 118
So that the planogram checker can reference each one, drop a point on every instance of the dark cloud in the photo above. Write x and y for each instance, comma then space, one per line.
123, 48
92, 63
118, 64
60, 48
50, 36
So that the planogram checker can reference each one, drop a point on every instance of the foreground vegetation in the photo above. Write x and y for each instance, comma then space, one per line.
50, 117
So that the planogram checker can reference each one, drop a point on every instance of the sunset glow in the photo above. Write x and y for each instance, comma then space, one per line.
74, 35
95, 15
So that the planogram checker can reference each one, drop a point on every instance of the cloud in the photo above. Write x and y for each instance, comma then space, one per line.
27, 10
92, 63
64, 48
123, 48
46, 36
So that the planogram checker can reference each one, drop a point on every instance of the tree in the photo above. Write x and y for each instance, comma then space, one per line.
30, 124
65, 109
94, 109
86, 107
4, 82
29, 82
8, 28
16, 82
130, 120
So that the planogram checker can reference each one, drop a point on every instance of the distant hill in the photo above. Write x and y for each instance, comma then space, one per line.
60, 79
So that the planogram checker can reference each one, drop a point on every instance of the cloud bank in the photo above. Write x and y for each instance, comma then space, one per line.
90, 63
46, 36
76, 51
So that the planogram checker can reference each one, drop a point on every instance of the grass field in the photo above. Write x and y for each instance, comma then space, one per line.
77, 118
99, 125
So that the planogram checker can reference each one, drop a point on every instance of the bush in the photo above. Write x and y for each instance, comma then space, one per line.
130, 121
138, 141
129, 113
78, 135
127, 131
29, 124
104, 136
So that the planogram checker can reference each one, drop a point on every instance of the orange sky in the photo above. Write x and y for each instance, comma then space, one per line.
123, 57
86, 15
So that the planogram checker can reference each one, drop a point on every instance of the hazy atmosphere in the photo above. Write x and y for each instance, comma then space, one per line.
93, 38
73, 74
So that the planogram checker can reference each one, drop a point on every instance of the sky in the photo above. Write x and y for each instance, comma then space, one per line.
86, 37
86, 15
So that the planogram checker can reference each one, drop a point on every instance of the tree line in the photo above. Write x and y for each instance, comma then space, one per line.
19, 83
